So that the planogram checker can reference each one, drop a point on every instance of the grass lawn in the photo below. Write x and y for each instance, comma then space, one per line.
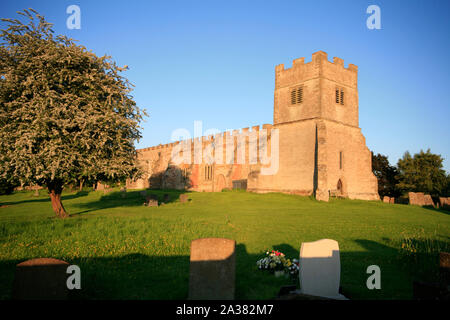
127, 251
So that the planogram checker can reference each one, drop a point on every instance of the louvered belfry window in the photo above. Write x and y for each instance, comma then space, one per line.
340, 96
297, 95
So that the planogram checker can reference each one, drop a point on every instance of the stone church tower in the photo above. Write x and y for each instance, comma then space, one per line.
321, 145
322, 151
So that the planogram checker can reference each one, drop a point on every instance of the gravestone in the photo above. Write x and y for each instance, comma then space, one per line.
212, 269
428, 201
420, 199
416, 198
392, 200
320, 269
183, 198
444, 202
435, 290
150, 202
444, 268
41, 279
386, 199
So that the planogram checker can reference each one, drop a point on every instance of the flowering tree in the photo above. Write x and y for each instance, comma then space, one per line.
65, 114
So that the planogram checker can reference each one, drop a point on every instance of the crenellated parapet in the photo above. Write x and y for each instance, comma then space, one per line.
236, 146
318, 66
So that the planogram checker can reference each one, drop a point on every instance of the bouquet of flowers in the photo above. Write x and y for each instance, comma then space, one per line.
276, 261
294, 268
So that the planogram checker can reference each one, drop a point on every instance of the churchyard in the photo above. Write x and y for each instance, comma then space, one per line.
126, 250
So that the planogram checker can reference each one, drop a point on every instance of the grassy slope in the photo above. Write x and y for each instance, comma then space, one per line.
127, 251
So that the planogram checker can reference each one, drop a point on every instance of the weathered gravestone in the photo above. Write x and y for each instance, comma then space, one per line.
428, 200
420, 199
41, 279
320, 269
392, 200
183, 198
444, 202
416, 198
166, 198
150, 201
444, 268
435, 290
386, 199
212, 269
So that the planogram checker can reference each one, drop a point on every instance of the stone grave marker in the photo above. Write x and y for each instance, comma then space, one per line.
166, 198
320, 269
41, 279
386, 199
212, 269
183, 198
444, 268
428, 200
150, 201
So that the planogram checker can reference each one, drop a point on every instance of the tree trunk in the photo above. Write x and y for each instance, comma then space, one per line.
81, 184
55, 190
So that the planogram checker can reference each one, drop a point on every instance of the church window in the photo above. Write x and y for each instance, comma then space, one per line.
340, 96
297, 95
208, 172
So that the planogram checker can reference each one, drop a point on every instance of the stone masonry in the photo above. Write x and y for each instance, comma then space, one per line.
321, 149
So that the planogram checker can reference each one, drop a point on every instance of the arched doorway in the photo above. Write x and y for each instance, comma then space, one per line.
340, 188
220, 184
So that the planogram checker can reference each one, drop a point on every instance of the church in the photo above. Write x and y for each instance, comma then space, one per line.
314, 146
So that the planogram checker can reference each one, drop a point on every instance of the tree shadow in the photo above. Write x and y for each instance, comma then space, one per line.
70, 196
440, 210
133, 198
141, 276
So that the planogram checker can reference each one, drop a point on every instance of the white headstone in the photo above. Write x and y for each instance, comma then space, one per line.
320, 269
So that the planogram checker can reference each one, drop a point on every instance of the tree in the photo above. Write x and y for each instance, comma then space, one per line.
386, 175
65, 114
7, 186
422, 173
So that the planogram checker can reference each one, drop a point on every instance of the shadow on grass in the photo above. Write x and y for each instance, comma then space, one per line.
133, 198
440, 210
140, 276
47, 199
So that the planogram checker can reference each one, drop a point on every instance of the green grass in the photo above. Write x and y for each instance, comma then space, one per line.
127, 251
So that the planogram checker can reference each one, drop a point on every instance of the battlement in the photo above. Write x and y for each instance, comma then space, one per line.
211, 138
317, 58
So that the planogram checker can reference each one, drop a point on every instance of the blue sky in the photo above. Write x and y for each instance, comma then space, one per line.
214, 61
